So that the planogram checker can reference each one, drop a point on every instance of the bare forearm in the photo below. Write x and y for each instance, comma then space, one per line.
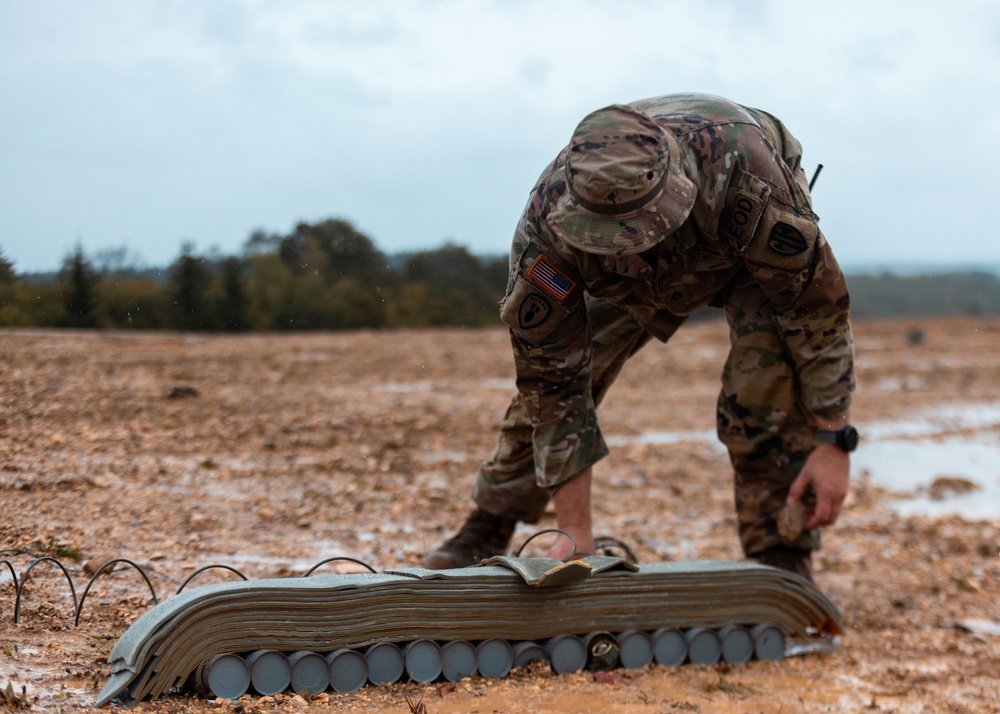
572, 504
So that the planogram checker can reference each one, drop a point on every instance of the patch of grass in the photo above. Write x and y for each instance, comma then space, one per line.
13, 698
57, 549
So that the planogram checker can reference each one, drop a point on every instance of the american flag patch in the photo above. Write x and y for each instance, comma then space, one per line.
550, 279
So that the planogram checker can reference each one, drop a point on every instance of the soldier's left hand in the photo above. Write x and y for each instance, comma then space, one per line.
827, 470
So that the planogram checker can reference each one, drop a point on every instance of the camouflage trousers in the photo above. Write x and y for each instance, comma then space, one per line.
758, 419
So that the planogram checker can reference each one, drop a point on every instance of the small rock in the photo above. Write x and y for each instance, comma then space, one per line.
904, 603
610, 678
95, 561
988, 550
792, 521
180, 392
947, 486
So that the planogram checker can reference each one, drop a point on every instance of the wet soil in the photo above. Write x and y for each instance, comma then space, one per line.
270, 453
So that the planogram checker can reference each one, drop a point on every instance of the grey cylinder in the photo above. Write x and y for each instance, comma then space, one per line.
310, 672
385, 663
348, 670
227, 676
527, 652
670, 647
567, 653
737, 644
494, 658
768, 642
602, 651
704, 646
270, 672
459, 660
635, 649
423, 660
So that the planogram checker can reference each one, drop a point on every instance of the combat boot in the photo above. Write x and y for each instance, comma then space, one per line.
481, 536
794, 560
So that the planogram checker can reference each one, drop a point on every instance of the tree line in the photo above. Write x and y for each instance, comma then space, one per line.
330, 276
325, 275
953, 293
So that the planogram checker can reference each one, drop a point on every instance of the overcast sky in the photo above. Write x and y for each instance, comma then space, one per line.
148, 123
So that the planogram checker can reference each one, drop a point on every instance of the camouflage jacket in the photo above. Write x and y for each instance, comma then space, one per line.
746, 168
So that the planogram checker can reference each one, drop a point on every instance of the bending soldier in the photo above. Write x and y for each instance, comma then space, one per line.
654, 209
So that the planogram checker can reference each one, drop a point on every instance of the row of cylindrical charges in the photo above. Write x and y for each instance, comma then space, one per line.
270, 672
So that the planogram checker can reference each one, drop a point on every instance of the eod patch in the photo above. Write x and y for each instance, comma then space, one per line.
741, 214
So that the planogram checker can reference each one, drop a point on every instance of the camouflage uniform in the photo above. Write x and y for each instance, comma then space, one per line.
581, 300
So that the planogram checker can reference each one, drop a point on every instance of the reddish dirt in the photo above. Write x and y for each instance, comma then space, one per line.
273, 452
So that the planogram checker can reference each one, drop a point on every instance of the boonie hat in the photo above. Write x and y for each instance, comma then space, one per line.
626, 191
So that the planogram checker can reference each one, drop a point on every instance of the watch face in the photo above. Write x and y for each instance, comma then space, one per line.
848, 438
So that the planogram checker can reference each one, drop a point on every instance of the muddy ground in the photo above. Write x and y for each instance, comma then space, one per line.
272, 452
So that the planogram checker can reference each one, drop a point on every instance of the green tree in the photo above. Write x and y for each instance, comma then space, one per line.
306, 302
261, 242
355, 304
190, 281
267, 283
38, 304
232, 305
460, 288
11, 313
7, 276
347, 251
338, 277
78, 282
117, 262
134, 302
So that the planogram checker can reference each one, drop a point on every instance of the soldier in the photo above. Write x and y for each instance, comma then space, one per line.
654, 209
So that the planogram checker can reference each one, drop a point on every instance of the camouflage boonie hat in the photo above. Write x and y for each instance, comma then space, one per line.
626, 191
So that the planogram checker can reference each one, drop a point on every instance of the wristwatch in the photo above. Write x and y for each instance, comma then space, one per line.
846, 438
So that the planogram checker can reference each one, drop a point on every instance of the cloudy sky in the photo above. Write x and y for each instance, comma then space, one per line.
147, 123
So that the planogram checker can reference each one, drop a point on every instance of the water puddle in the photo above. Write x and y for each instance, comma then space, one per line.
941, 462
655, 438
439, 457
944, 461
506, 385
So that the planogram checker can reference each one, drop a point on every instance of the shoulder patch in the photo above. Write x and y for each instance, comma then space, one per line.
533, 311
744, 207
549, 278
530, 313
786, 239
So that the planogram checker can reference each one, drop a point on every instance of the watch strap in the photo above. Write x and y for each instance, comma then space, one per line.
828, 436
